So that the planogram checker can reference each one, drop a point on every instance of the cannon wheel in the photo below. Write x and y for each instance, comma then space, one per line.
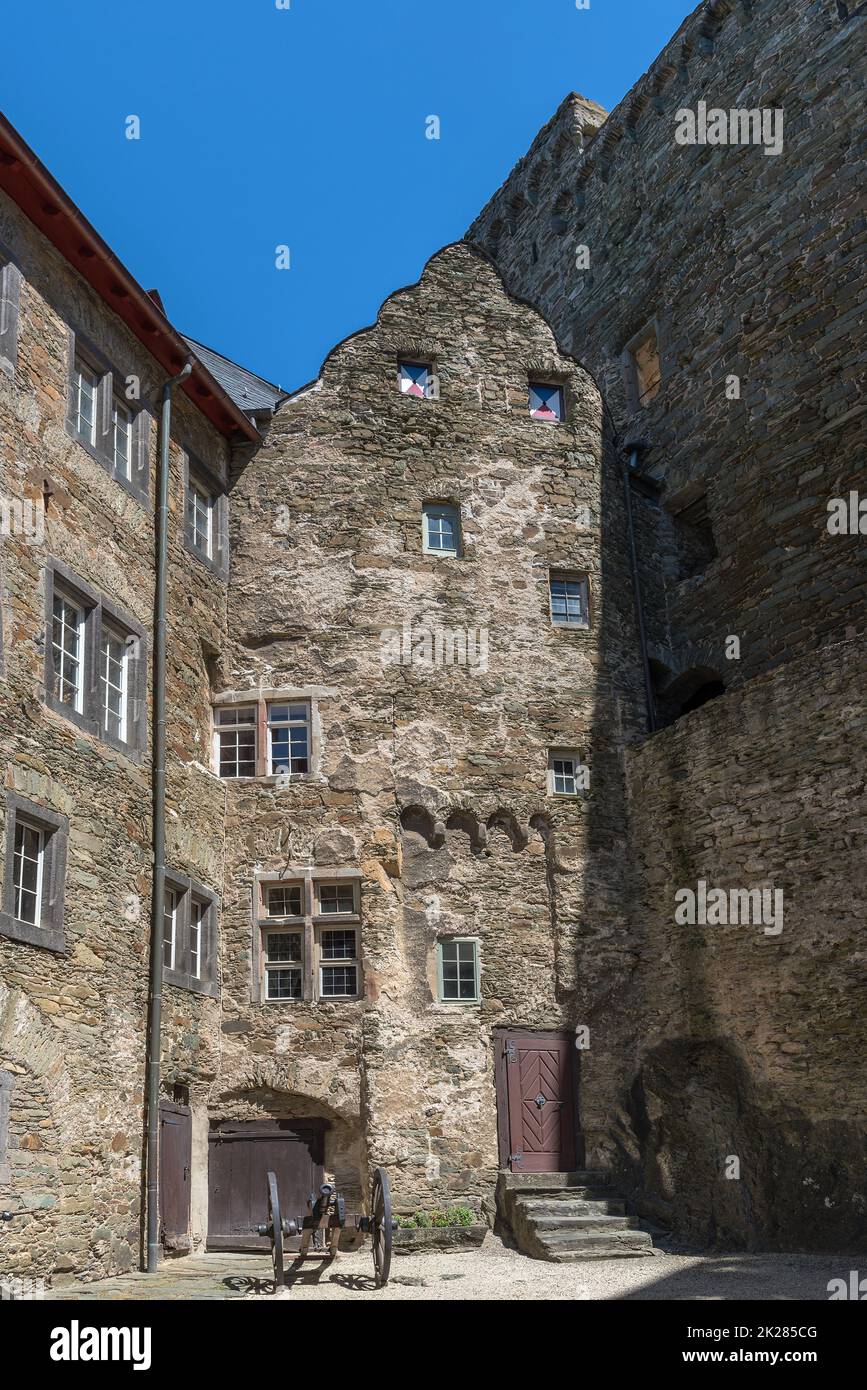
276, 1230
381, 1226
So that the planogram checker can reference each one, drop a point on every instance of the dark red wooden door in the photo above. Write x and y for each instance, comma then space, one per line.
176, 1142
240, 1156
540, 1102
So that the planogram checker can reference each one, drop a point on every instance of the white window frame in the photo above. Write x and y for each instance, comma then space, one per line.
311, 924
284, 886
566, 756
537, 384
60, 595
459, 941
235, 728
272, 724
569, 577
82, 370
272, 967
337, 962
23, 825
175, 895
113, 634
406, 383
123, 467
438, 511
199, 910
197, 494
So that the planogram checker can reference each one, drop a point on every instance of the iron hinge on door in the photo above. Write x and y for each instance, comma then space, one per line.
511, 1052
518, 1157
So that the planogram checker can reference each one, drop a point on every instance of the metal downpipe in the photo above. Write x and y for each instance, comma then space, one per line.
155, 1005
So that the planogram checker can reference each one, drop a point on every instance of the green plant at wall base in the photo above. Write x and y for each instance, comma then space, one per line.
424, 1220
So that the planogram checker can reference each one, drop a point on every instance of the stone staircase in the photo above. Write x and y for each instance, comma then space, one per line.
569, 1216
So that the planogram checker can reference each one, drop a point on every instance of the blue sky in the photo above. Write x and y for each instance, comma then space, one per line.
302, 127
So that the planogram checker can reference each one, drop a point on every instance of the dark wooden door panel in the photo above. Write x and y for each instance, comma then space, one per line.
539, 1099
176, 1144
240, 1157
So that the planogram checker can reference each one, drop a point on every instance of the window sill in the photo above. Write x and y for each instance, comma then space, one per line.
49, 938
571, 627
208, 988
88, 726
217, 569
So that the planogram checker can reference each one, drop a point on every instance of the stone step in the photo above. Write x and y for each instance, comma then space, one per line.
593, 1245
545, 1225
546, 1182
569, 1205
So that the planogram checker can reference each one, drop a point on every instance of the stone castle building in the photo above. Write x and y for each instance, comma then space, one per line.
521, 620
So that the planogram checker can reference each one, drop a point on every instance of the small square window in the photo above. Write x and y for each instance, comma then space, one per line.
284, 956
288, 738
546, 402
567, 775
284, 900
570, 600
236, 740
458, 968
416, 379
442, 529
334, 898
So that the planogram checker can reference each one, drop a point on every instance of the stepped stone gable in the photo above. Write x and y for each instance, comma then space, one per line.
436, 777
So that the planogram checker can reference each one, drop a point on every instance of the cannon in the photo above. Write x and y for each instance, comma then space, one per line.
326, 1217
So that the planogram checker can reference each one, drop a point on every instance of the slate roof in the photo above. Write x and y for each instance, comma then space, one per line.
253, 394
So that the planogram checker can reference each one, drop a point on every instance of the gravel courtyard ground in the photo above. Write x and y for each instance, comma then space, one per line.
493, 1272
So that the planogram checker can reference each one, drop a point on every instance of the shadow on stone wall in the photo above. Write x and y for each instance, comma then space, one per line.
693, 1107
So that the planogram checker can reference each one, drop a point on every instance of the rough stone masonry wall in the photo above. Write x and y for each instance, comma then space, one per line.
750, 1045
72, 1025
432, 782
752, 265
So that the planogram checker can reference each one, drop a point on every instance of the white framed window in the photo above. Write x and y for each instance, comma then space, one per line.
28, 870
121, 438
570, 599
171, 901
336, 899
284, 899
416, 379
69, 625
546, 401
32, 900
200, 518
441, 529
307, 937
284, 964
567, 775
199, 909
85, 394
114, 665
288, 737
458, 970
235, 733
338, 963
